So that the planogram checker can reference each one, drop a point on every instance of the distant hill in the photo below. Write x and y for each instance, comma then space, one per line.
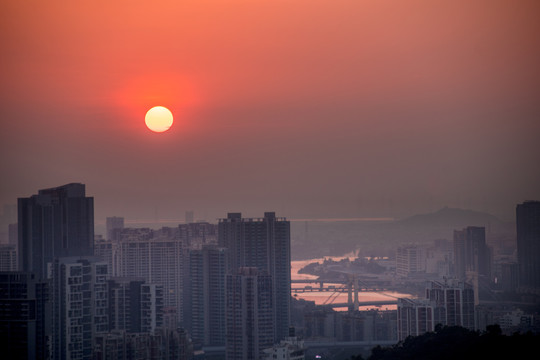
454, 218
328, 238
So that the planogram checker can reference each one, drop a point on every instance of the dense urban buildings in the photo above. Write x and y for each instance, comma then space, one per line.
157, 256
263, 243
114, 225
207, 269
57, 222
471, 253
163, 344
225, 289
446, 303
291, 348
25, 316
134, 306
455, 299
528, 245
79, 306
249, 314
409, 261
415, 317
8, 258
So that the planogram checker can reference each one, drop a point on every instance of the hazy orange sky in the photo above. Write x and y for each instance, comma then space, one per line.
308, 108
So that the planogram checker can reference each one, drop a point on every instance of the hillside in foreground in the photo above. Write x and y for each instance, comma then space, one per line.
459, 343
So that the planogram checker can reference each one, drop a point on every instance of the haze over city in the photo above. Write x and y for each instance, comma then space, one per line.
269, 179
312, 109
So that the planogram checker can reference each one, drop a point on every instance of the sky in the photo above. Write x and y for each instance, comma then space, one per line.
310, 108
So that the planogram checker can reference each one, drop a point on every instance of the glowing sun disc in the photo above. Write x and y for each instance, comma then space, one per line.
158, 119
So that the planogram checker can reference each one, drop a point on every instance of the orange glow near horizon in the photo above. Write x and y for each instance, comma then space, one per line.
173, 91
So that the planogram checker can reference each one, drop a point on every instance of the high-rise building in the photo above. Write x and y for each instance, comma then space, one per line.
80, 308
528, 244
198, 234
249, 314
24, 316
189, 217
8, 258
448, 304
7, 218
12, 234
471, 253
415, 317
410, 260
103, 249
163, 344
114, 225
454, 301
207, 268
509, 278
263, 243
57, 222
134, 306
157, 256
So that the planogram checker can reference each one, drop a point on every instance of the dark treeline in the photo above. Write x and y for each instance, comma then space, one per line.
459, 343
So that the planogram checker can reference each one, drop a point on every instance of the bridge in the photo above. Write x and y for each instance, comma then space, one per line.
349, 284
332, 288
364, 303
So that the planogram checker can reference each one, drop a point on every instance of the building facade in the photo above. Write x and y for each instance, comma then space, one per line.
249, 314
158, 257
528, 245
134, 305
57, 222
471, 253
455, 300
8, 258
410, 260
415, 317
79, 306
447, 304
263, 243
24, 315
163, 344
114, 226
207, 269
291, 348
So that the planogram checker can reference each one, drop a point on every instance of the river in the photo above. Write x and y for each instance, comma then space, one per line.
320, 297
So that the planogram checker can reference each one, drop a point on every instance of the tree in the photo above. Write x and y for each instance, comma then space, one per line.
454, 342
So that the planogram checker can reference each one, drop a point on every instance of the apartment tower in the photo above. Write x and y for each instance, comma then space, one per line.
263, 243
57, 222
528, 244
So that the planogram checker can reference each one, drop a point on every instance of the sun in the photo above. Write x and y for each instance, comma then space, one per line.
159, 119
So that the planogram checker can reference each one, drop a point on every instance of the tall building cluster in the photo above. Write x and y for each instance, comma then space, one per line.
206, 300
141, 292
471, 252
249, 313
262, 243
447, 304
57, 222
63, 302
25, 315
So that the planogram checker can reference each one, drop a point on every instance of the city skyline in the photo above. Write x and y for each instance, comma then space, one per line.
311, 109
